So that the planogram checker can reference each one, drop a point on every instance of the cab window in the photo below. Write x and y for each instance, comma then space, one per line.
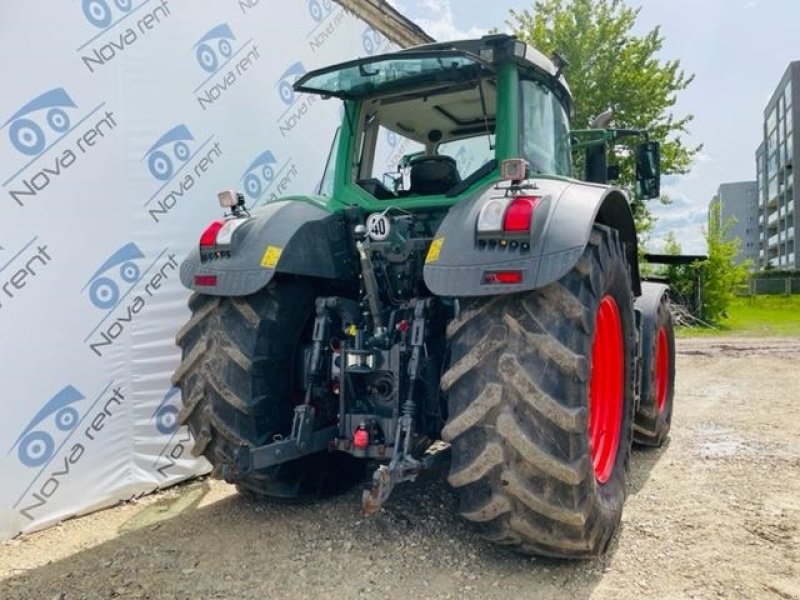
390, 148
427, 141
469, 153
544, 135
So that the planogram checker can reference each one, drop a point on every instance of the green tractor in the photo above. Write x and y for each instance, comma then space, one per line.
451, 292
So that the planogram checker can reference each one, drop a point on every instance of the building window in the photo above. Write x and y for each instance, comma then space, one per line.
772, 141
772, 165
772, 120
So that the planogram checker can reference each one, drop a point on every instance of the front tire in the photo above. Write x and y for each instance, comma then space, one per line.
537, 462
236, 379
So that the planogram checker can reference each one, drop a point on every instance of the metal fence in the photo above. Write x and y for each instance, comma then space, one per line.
770, 286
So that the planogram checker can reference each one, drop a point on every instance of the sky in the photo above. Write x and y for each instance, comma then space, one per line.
738, 51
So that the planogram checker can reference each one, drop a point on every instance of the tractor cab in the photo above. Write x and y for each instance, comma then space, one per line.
428, 124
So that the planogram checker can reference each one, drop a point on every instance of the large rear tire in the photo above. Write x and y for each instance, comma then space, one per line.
541, 403
237, 383
654, 415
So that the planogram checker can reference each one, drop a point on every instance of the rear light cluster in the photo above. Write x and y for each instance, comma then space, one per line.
502, 218
215, 242
506, 223
209, 237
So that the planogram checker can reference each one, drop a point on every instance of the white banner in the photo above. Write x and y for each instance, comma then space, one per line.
119, 122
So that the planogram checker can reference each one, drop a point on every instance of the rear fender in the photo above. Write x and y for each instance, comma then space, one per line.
560, 229
288, 236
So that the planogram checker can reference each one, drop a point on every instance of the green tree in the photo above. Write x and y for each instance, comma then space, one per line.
681, 277
610, 66
721, 274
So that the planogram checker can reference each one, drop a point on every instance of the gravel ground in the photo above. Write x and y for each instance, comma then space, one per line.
714, 514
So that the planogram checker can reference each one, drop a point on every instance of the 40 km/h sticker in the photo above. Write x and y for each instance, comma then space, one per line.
378, 226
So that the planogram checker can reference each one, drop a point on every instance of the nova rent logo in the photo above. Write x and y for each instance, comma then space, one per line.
121, 24
57, 438
373, 41
223, 60
38, 127
265, 180
111, 290
177, 161
247, 5
165, 419
398, 148
26, 265
297, 107
327, 19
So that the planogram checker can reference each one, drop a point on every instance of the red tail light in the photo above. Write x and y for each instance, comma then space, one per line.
507, 277
205, 280
209, 237
519, 214
360, 439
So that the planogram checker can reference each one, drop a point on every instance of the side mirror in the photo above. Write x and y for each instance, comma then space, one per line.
648, 170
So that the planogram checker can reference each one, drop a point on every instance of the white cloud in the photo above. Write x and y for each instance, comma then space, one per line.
750, 4
703, 158
684, 217
436, 18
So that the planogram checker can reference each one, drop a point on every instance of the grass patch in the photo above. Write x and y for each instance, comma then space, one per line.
760, 316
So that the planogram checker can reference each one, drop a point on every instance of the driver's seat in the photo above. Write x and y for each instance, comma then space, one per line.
433, 174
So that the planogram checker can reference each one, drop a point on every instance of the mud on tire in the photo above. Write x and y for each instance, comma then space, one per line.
236, 379
519, 389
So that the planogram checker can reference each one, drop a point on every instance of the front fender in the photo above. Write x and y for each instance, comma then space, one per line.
560, 230
287, 236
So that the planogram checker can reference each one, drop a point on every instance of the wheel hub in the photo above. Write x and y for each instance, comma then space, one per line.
662, 369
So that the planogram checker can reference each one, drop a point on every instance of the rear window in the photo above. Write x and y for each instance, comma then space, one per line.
382, 74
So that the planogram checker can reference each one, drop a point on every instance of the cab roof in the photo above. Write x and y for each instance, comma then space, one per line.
375, 75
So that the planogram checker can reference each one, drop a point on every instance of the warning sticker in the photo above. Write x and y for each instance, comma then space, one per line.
271, 257
434, 250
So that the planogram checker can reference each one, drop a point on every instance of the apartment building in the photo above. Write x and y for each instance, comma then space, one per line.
777, 179
735, 208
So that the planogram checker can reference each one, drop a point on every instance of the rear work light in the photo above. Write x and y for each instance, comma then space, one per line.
511, 215
514, 169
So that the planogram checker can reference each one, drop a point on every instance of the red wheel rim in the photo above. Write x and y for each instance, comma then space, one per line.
662, 369
606, 389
